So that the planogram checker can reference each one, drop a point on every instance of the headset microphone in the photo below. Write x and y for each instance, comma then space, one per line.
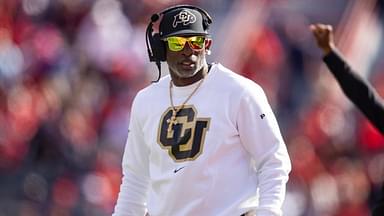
155, 17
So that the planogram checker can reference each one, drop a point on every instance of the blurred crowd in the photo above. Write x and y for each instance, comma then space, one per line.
69, 70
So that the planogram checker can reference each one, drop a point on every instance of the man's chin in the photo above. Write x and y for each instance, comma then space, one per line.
186, 73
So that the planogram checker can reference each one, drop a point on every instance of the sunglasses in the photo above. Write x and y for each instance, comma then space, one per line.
176, 43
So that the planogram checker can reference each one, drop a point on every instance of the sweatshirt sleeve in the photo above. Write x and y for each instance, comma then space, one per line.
357, 89
261, 137
134, 187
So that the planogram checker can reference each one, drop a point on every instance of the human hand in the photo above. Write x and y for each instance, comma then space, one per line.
324, 37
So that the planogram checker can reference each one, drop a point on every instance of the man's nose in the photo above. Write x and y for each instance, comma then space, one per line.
187, 50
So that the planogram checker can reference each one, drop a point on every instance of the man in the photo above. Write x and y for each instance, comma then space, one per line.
203, 140
356, 88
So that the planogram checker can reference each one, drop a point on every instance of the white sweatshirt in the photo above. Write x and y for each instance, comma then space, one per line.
225, 156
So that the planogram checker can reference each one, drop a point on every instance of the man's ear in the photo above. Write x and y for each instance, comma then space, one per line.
208, 43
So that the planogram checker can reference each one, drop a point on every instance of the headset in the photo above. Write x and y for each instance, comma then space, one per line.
156, 46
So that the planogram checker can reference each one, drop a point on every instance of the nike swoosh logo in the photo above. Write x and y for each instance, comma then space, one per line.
178, 169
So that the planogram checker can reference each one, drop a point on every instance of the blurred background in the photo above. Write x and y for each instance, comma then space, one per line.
69, 70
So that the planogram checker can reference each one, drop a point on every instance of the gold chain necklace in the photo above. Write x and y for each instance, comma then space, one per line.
173, 121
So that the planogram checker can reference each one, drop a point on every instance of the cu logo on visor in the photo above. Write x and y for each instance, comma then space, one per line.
185, 17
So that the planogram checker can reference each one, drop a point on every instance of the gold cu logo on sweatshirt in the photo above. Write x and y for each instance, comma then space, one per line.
185, 140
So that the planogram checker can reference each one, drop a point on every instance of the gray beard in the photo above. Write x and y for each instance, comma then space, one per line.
186, 75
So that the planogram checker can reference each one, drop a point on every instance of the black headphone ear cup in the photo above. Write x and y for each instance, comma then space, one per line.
158, 48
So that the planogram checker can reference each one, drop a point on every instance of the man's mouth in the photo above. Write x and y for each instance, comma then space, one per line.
188, 64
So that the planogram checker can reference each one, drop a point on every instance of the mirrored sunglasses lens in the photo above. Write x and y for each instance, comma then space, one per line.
197, 42
176, 43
